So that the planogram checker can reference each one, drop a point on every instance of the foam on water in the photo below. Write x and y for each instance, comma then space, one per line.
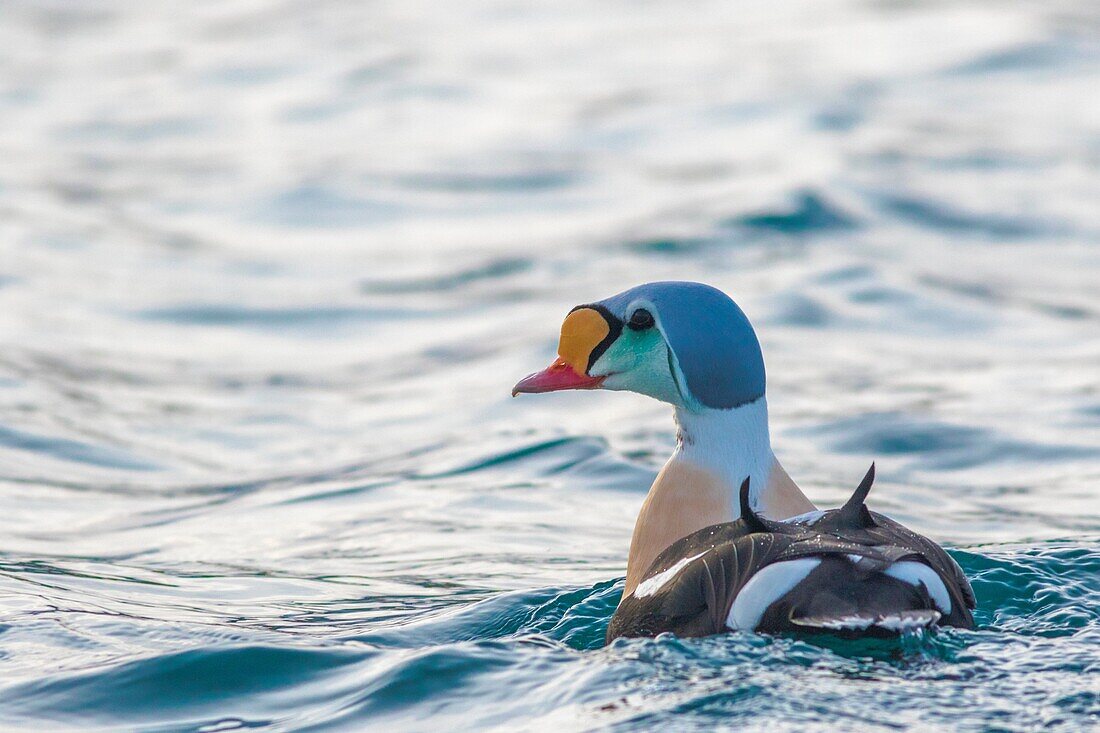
269, 271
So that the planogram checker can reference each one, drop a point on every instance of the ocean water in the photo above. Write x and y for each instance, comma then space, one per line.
268, 271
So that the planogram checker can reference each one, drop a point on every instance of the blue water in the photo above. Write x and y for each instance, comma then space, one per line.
268, 272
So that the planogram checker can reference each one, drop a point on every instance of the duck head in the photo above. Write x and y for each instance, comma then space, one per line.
689, 345
684, 343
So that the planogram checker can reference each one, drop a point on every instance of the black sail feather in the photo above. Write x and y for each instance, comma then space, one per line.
854, 514
756, 522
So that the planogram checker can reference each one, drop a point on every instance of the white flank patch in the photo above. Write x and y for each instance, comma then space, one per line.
917, 573
651, 585
807, 518
765, 588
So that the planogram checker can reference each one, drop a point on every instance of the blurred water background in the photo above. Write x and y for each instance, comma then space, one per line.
268, 271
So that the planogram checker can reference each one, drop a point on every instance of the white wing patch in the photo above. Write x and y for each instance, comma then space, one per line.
765, 588
917, 573
651, 585
808, 518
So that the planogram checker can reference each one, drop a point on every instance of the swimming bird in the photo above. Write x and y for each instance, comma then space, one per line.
725, 540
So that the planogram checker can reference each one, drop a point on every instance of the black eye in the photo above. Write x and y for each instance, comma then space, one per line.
640, 320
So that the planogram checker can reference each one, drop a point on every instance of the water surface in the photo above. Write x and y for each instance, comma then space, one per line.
269, 270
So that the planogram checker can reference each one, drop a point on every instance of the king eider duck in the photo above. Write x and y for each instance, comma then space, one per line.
725, 540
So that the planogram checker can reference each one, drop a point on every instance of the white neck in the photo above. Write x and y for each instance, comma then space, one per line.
730, 444
698, 487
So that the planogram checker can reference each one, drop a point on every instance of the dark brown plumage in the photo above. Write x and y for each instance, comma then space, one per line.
847, 592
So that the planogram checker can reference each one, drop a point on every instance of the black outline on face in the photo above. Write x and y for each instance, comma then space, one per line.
614, 330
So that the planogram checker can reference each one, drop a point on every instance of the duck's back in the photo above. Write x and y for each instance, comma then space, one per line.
846, 571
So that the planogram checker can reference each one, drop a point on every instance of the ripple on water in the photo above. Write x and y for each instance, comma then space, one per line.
950, 219
492, 270
64, 449
537, 655
809, 213
192, 686
317, 320
267, 271
938, 445
317, 206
